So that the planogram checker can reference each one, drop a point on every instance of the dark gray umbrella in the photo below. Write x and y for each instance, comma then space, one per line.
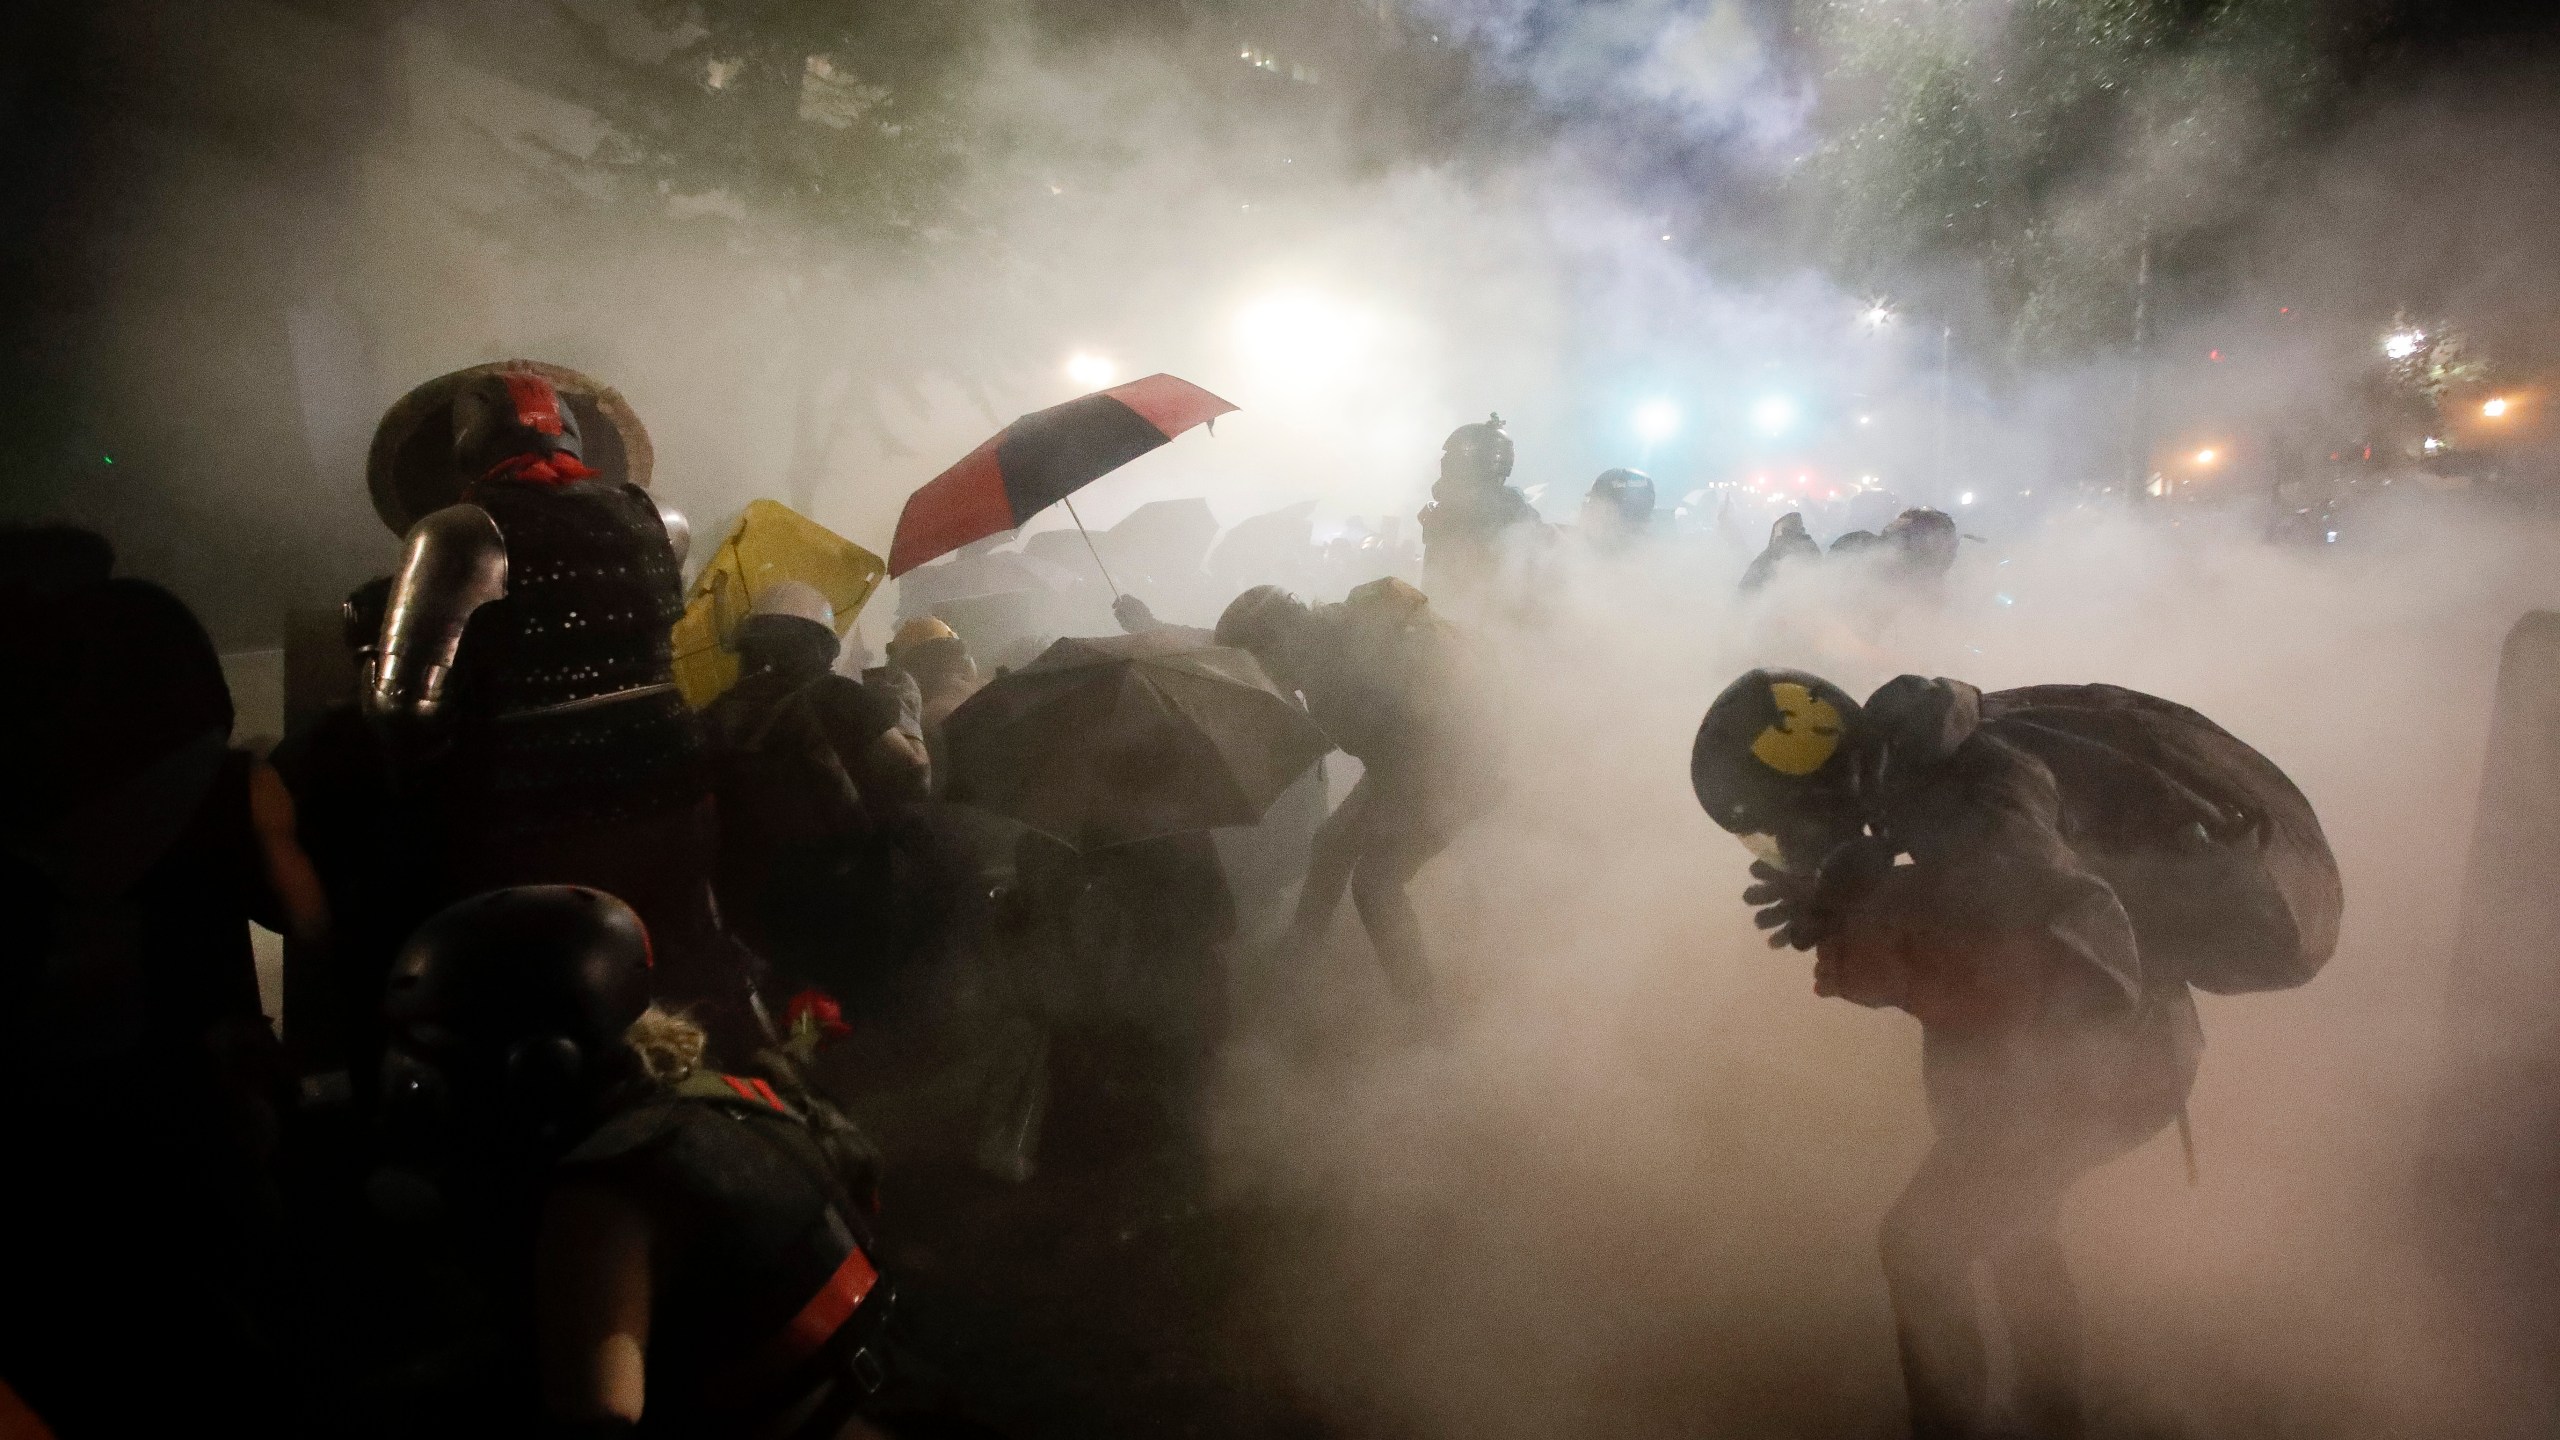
1108, 741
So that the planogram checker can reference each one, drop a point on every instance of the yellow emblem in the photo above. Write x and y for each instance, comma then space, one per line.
1807, 732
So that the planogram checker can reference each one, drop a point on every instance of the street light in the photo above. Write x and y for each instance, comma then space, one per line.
2495, 408
1090, 370
1773, 414
2205, 456
1657, 421
1879, 313
2401, 344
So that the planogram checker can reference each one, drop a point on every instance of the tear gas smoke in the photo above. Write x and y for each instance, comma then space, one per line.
1629, 1185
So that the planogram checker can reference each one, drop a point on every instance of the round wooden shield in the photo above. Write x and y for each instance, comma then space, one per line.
409, 471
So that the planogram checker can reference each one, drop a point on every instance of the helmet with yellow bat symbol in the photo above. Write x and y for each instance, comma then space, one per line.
1777, 762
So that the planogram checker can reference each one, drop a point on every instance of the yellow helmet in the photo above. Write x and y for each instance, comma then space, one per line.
918, 631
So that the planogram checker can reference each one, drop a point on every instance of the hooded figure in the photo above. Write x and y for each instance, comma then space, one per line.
2039, 876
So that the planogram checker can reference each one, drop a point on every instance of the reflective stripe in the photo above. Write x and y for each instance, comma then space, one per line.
816, 1324
756, 1089
826, 1312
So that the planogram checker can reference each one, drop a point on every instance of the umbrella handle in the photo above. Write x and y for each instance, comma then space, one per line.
1088, 545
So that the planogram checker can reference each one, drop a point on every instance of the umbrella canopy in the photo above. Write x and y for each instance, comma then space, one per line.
1109, 741
1041, 459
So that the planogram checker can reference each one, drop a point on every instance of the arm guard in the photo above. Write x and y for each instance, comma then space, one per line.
455, 562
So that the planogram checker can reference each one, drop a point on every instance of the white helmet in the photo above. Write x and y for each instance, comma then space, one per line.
794, 598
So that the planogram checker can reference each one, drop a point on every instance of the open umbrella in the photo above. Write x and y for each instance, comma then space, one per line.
1041, 459
1109, 741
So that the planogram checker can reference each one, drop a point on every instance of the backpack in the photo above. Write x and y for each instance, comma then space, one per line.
2217, 857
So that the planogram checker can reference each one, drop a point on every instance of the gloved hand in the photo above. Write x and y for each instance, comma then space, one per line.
1789, 898
1802, 909
1133, 615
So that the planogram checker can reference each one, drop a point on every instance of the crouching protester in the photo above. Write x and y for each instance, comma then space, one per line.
688, 1250
2039, 875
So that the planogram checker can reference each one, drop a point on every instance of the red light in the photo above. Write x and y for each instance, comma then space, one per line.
2284, 310
2368, 452
2213, 355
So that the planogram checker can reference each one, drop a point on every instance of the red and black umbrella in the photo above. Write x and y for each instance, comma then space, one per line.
1041, 459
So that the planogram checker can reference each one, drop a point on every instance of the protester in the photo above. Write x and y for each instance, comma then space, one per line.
815, 781
1474, 515
1393, 685
1618, 511
945, 675
2079, 856
687, 1254
135, 1057
1789, 544
523, 681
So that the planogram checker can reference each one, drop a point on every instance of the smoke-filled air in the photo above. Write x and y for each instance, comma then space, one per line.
1049, 718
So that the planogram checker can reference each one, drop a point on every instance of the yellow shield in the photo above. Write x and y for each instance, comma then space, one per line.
770, 542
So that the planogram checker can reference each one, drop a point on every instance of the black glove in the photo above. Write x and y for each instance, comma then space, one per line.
1133, 615
1789, 898
1803, 910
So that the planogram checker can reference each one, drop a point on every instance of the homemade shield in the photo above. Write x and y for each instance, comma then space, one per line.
409, 470
770, 542
1109, 741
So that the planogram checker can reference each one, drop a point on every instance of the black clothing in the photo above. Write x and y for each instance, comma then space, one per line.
1463, 529
809, 866
593, 593
756, 1225
2081, 854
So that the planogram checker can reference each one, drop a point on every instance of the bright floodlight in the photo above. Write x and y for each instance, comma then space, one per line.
1657, 420
2495, 408
1965, 499
2402, 344
1090, 371
2205, 456
1773, 415
1878, 315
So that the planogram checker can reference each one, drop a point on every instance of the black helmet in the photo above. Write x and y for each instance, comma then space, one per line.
1480, 452
1777, 755
1260, 620
508, 1010
1925, 540
507, 419
1627, 492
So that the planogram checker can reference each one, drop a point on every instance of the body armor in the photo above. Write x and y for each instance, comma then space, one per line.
532, 625
563, 694
455, 562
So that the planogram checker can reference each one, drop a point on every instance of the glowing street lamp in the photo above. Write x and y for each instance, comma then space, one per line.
1878, 314
2207, 455
2496, 408
2401, 344
1090, 370
1657, 421
1773, 415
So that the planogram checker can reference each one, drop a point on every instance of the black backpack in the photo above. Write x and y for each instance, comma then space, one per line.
2217, 857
